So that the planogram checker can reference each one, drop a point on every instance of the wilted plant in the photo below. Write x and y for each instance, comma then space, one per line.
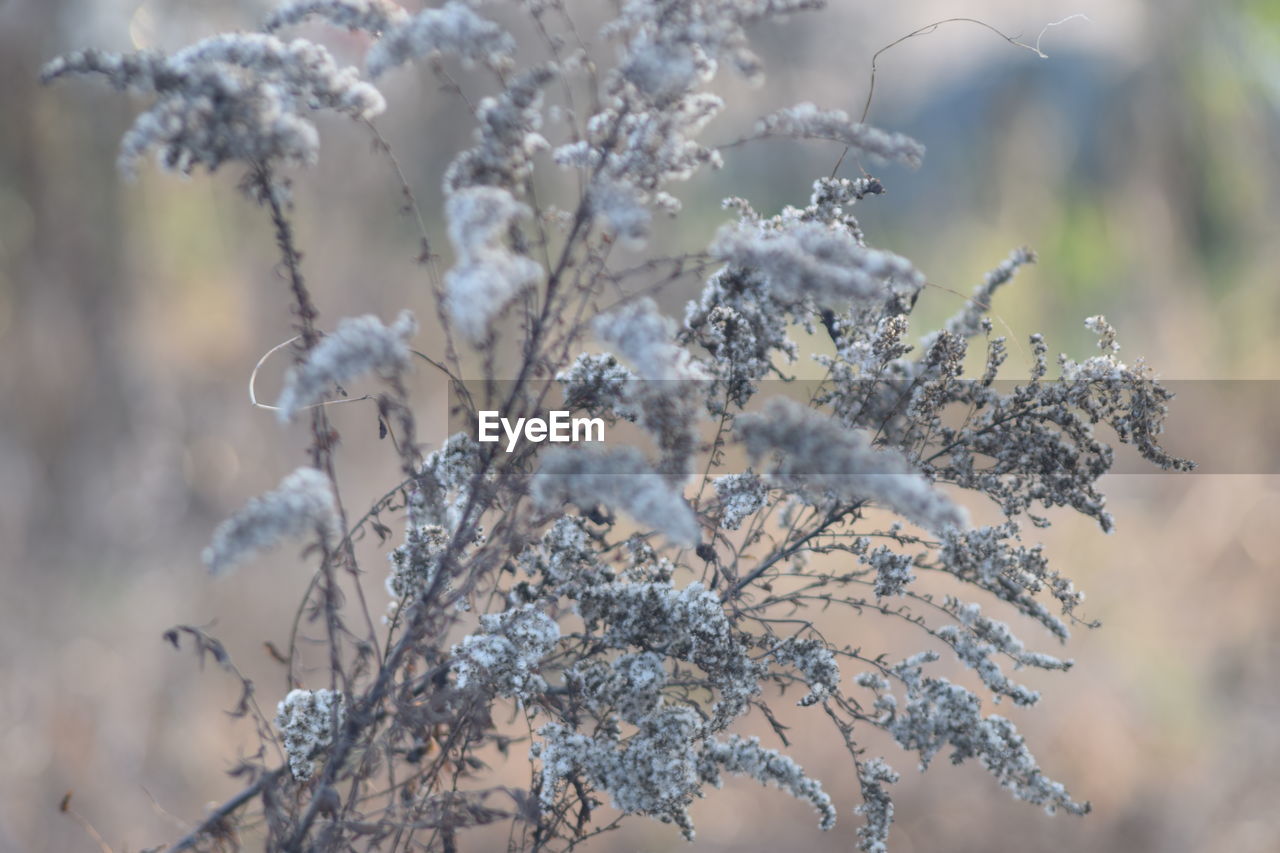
634, 640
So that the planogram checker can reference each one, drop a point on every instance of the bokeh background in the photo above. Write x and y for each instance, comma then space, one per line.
1141, 159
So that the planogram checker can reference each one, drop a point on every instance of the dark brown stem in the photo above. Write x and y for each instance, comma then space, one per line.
306, 309
226, 810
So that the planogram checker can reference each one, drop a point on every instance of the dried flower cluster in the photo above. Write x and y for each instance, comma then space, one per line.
245, 97
625, 616
487, 275
360, 345
306, 720
302, 506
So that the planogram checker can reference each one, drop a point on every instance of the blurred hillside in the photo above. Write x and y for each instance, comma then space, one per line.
1140, 159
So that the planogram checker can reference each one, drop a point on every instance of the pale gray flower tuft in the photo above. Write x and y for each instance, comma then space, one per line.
806, 121
877, 807
371, 16
620, 479
360, 345
817, 455
306, 719
454, 28
746, 757
302, 505
968, 321
244, 97
502, 657
741, 495
487, 275
799, 259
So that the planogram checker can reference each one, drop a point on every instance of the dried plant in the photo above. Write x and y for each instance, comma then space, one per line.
625, 646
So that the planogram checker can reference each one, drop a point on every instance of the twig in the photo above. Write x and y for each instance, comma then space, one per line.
931, 28
65, 808
224, 811
253, 379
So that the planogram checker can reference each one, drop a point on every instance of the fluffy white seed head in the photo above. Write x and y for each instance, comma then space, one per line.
305, 719
487, 275
454, 28
817, 454
359, 346
806, 121
620, 478
303, 505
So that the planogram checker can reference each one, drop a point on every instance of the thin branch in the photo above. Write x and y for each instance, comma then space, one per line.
931, 28
223, 812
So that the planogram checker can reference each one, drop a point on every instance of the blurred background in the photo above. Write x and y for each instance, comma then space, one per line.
1141, 159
